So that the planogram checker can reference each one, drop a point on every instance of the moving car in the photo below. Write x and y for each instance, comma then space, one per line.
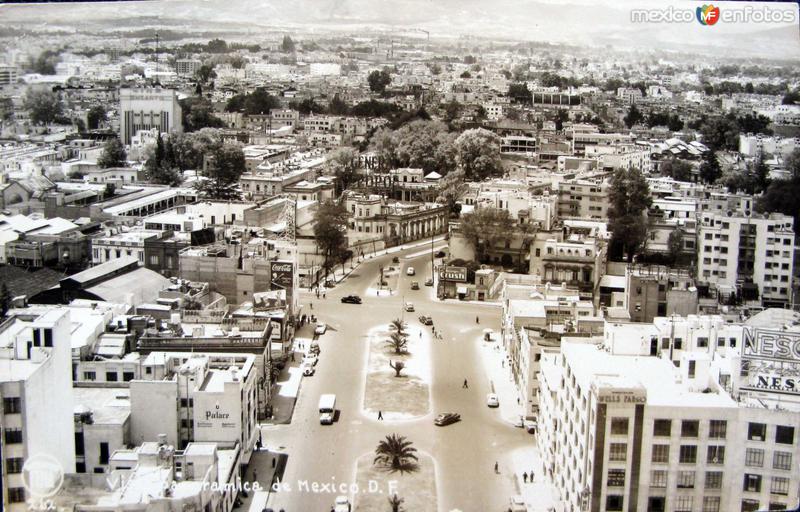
308, 370
410, 271
327, 408
342, 504
446, 418
492, 400
429, 282
414, 285
518, 504
426, 320
395, 260
320, 328
409, 306
351, 299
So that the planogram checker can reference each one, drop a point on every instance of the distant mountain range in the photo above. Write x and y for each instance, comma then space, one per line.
576, 22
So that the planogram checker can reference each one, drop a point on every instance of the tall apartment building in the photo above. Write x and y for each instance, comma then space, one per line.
148, 108
735, 250
36, 418
636, 433
584, 199
187, 67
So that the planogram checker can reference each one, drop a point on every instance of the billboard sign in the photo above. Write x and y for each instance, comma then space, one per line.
453, 274
281, 274
771, 362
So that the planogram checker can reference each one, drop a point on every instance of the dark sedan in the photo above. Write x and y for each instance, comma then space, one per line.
426, 320
446, 418
351, 299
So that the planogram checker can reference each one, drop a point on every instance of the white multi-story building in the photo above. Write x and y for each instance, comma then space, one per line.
145, 109
196, 397
37, 402
632, 432
734, 249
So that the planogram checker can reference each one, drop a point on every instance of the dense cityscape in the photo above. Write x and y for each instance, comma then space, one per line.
326, 261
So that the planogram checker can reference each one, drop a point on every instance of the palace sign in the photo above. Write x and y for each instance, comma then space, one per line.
771, 361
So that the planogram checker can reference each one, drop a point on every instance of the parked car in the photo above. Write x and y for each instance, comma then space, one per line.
330, 283
308, 370
314, 348
342, 504
320, 328
429, 282
446, 418
531, 426
409, 306
395, 260
426, 320
517, 504
414, 285
351, 299
492, 400
440, 254
310, 360
410, 271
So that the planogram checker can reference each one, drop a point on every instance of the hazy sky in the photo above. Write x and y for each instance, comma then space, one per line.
580, 21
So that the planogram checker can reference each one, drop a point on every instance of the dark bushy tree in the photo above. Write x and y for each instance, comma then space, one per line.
630, 199
113, 154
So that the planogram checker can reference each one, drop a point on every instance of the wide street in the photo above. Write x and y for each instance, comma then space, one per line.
465, 453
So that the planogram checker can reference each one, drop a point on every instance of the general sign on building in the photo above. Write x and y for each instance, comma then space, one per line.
771, 361
282, 273
453, 274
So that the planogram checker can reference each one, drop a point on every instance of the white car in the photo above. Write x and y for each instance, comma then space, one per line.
409, 306
410, 271
518, 504
492, 400
310, 361
342, 504
308, 370
320, 328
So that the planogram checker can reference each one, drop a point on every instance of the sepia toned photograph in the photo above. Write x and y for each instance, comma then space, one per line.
399, 256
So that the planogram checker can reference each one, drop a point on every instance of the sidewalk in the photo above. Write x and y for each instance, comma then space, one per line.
287, 387
539, 494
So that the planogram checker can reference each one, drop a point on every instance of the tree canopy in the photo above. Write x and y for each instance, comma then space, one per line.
96, 116
197, 113
44, 106
478, 153
113, 154
630, 198
677, 169
379, 80
330, 229
257, 102
710, 170
225, 166
484, 228
342, 163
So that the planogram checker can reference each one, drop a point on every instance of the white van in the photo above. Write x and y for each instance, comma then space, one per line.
327, 408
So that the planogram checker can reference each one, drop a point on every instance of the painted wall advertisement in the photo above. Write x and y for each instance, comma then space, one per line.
771, 362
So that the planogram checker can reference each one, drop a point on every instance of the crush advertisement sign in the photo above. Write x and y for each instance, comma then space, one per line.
771, 361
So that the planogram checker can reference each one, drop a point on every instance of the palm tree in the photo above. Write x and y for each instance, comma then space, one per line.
398, 325
395, 503
398, 342
395, 453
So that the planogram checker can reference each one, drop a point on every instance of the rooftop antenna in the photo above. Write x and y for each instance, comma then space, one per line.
156, 81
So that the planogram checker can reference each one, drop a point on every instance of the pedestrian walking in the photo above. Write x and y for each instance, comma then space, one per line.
525, 477
420, 334
255, 475
273, 461
380, 415
324, 295
496, 468
504, 364
311, 305
465, 386
531, 476
477, 320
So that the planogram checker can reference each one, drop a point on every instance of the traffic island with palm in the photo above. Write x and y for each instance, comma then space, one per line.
398, 374
404, 477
